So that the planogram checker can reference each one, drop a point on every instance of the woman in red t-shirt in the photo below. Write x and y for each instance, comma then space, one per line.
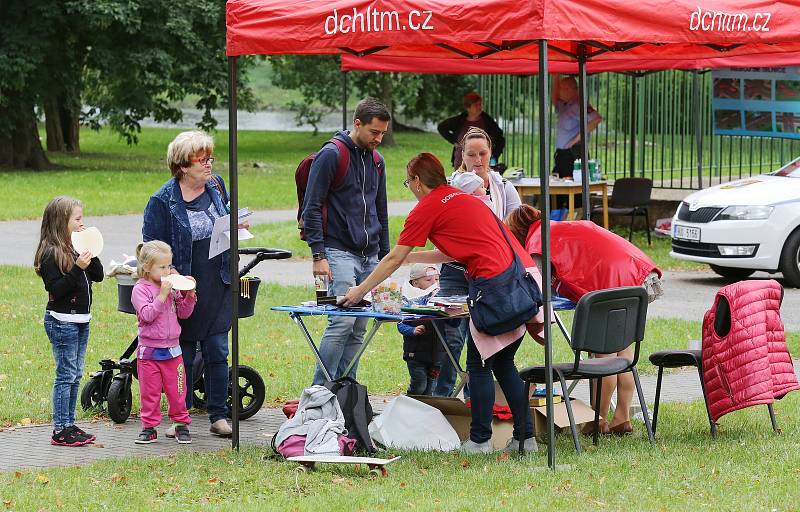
463, 229
585, 258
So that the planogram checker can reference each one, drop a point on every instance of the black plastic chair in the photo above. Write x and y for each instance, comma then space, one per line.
630, 196
678, 359
605, 322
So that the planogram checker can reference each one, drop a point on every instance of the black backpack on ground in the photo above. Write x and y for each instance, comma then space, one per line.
357, 410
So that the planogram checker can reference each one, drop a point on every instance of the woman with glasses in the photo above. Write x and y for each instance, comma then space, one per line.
462, 228
476, 152
182, 214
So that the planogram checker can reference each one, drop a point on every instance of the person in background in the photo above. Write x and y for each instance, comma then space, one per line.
454, 128
158, 356
472, 184
476, 150
568, 127
421, 348
462, 228
614, 262
182, 214
67, 278
356, 235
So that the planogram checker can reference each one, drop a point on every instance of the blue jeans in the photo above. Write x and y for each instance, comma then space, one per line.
421, 382
215, 373
69, 352
344, 335
481, 386
451, 282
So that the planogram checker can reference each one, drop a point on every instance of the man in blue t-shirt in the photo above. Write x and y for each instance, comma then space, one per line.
568, 129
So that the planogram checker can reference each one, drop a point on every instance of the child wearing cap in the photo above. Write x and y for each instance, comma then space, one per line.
421, 348
472, 184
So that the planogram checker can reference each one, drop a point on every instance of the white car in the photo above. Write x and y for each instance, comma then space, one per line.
743, 226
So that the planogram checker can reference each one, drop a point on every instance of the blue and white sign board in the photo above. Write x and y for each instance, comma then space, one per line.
761, 102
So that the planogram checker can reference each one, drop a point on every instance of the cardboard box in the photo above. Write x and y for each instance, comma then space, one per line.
453, 409
459, 417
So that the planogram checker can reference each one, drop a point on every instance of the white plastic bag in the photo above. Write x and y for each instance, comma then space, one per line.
412, 425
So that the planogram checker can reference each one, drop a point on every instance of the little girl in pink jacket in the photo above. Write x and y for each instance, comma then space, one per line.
159, 359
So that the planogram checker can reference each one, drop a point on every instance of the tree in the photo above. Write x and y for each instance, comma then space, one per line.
23, 68
318, 78
125, 59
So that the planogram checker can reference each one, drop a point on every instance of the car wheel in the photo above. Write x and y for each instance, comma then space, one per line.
732, 273
790, 260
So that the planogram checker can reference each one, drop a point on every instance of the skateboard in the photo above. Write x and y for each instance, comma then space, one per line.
376, 466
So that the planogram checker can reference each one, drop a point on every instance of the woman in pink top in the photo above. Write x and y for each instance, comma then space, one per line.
159, 359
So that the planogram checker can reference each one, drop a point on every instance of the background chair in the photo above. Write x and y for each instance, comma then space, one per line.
605, 322
630, 196
678, 359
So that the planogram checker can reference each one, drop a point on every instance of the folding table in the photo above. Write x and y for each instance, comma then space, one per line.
297, 313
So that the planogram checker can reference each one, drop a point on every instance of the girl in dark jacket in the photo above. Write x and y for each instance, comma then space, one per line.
67, 277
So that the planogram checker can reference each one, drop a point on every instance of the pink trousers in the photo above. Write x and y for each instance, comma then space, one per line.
168, 376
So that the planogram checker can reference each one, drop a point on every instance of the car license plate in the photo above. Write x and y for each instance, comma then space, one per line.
686, 233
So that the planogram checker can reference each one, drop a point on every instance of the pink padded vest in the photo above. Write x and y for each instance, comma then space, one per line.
745, 358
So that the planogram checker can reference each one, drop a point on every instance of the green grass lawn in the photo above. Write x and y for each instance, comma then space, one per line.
111, 177
746, 468
269, 342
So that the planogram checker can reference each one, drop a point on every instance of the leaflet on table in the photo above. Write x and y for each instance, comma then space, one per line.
220, 235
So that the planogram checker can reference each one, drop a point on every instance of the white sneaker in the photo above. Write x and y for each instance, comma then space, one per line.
221, 428
470, 446
530, 445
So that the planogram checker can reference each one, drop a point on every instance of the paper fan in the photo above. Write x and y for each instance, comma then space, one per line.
180, 282
89, 239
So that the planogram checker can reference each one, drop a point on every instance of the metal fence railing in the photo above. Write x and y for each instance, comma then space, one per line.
669, 112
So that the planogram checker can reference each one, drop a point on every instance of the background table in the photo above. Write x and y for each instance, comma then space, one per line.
532, 186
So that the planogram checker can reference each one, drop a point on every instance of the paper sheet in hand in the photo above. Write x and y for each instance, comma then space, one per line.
220, 235
180, 282
89, 239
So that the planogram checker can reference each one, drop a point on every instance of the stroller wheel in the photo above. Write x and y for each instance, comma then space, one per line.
92, 393
251, 392
119, 400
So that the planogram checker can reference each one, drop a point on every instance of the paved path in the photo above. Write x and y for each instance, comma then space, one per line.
121, 233
29, 447
687, 294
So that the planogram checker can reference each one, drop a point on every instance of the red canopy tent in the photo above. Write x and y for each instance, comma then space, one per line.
582, 32
409, 28
614, 63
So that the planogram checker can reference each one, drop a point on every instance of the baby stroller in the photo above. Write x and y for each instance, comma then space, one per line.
105, 386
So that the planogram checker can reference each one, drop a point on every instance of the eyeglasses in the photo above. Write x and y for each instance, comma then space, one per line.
205, 161
408, 180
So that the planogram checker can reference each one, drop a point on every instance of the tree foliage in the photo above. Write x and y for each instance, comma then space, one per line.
422, 96
124, 59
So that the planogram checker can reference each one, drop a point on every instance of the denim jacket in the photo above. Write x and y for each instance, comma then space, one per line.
165, 219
